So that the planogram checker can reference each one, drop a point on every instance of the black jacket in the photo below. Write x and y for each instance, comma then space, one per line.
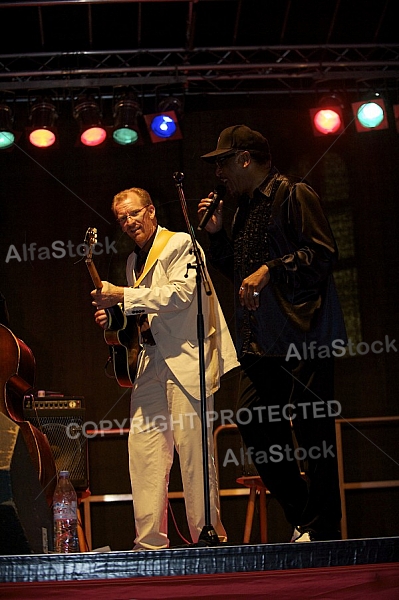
300, 304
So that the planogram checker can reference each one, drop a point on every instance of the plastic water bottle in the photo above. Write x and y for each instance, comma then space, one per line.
65, 514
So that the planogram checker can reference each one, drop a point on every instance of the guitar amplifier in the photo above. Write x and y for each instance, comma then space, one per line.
61, 419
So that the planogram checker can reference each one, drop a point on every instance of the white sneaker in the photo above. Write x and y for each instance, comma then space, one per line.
295, 535
304, 537
301, 536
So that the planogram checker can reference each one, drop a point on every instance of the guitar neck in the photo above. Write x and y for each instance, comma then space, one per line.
94, 275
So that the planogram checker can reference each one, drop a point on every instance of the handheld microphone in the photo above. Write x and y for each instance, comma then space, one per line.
218, 194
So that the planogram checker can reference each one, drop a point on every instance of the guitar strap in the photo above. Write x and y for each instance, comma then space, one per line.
123, 353
159, 244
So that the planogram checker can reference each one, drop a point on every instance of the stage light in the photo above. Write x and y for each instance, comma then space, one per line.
87, 113
164, 125
7, 137
42, 133
370, 115
396, 115
327, 118
126, 111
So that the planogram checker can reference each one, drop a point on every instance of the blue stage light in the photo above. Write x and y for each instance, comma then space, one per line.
163, 126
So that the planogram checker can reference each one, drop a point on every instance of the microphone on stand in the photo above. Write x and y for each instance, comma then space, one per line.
178, 177
218, 194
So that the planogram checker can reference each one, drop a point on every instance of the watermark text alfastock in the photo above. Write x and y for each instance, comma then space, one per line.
277, 454
339, 348
58, 249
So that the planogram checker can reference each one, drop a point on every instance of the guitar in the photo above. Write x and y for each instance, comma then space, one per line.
17, 374
121, 334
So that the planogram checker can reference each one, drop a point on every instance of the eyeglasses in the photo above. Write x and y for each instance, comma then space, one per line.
219, 162
132, 215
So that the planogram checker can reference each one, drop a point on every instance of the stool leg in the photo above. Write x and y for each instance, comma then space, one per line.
81, 538
263, 516
250, 515
81, 535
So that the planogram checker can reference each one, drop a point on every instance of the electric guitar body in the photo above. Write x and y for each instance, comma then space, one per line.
121, 334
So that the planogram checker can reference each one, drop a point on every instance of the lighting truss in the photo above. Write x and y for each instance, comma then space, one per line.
222, 70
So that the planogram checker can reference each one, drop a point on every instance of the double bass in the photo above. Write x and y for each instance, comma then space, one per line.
17, 378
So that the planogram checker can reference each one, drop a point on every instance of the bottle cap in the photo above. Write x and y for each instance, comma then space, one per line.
64, 473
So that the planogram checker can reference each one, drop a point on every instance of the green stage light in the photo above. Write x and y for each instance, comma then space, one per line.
370, 115
125, 136
7, 137
126, 131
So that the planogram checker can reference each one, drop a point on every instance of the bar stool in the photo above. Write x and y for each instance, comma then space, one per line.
256, 486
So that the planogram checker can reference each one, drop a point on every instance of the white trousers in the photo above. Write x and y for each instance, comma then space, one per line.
164, 417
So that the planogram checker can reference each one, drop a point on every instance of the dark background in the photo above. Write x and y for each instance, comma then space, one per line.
54, 195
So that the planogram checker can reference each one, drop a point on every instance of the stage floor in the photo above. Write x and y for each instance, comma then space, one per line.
360, 568
197, 560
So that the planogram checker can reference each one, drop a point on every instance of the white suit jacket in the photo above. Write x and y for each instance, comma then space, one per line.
168, 295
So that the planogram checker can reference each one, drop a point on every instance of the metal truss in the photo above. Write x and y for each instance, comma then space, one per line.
221, 70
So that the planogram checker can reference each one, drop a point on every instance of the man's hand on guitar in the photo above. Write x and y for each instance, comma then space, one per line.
107, 296
101, 318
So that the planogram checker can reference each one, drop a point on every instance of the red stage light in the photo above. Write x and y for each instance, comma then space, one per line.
327, 120
93, 136
42, 138
87, 113
396, 115
42, 132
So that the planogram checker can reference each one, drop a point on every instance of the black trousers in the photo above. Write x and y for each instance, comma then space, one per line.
285, 414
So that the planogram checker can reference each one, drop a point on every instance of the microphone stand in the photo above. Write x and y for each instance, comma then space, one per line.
208, 536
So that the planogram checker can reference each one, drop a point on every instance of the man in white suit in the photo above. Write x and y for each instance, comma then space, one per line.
165, 401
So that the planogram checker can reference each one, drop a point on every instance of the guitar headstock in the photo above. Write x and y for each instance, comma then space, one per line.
90, 241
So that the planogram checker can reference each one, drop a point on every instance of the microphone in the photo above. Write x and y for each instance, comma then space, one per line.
178, 177
218, 194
